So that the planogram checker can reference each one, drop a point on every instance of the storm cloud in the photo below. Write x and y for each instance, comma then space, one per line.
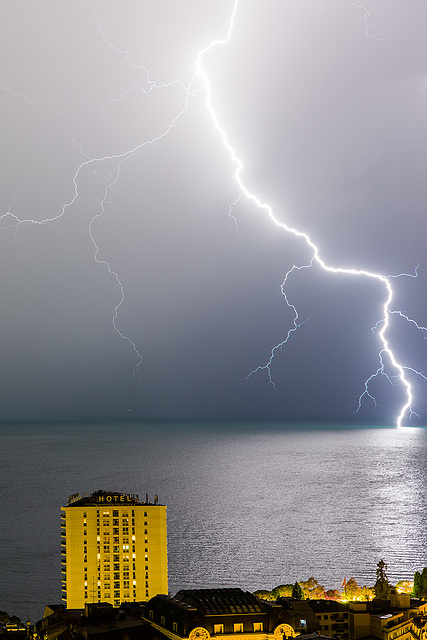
325, 105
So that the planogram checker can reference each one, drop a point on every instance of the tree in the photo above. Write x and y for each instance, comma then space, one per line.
417, 588
333, 594
312, 589
264, 595
382, 586
424, 582
297, 592
368, 593
404, 586
282, 591
352, 590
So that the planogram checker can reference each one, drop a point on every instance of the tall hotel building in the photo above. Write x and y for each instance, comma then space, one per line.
113, 549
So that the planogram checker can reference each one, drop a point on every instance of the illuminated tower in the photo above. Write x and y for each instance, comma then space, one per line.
113, 549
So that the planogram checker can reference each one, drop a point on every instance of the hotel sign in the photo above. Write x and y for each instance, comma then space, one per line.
120, 497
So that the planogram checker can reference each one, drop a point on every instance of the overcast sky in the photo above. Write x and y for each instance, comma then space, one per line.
105, 133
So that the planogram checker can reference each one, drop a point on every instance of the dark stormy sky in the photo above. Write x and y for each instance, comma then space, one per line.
324, 102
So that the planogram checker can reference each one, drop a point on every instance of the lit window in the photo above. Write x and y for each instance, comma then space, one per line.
174, 626
238, 627
258, 626
218, 628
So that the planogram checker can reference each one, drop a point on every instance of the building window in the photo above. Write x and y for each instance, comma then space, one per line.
258, 626
115, 513
162, 621
151, 615
174, 627
238, 627
218, 628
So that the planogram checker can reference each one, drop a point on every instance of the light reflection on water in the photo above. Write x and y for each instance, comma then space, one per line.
249, 507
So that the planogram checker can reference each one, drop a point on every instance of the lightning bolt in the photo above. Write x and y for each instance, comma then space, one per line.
200, 83
388, 312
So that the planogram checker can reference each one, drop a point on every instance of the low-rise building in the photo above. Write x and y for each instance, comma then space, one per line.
229, 614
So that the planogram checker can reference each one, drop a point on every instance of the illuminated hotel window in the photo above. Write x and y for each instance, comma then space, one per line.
218, 628
258, 626
238, 627
105, 513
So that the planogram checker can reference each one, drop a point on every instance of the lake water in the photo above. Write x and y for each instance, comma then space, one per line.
251, 506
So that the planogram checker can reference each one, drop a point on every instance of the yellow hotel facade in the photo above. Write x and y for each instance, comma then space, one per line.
113, 549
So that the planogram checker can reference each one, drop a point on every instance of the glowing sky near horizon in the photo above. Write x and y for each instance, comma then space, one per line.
325, 105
